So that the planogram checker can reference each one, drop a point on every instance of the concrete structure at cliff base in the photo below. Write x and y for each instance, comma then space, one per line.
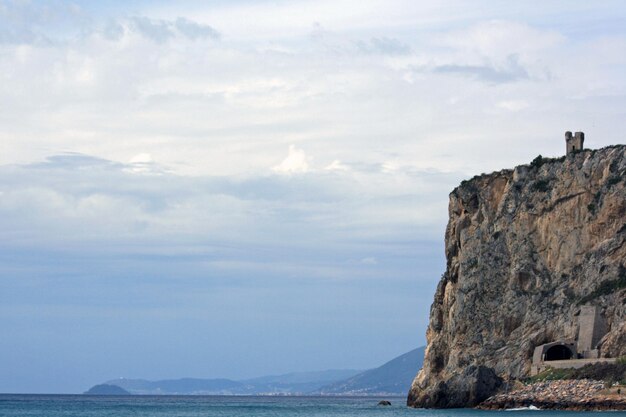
574, 353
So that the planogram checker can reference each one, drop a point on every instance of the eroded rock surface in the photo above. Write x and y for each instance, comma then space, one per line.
525, 249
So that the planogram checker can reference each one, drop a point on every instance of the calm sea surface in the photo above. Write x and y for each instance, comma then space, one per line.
215, 406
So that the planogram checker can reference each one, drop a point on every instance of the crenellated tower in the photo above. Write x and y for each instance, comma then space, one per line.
574, 143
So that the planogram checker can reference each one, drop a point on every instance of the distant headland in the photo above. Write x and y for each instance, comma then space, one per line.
106, 389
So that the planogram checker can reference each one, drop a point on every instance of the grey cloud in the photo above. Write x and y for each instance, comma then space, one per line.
145, 188
49, 24
44, 23
81, 192
157, 30
318, 33
20, 35
73, 160
383, 46
372, 46
194, 30
161, 31
512, 71
113, 30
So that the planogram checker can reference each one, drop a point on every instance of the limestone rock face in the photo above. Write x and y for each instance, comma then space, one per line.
525, 249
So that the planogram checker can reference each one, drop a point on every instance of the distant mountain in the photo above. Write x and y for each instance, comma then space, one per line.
394, 377
292, 383
106, 389
183, 386
299, 382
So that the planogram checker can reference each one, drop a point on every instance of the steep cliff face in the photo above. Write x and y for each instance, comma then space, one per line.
525, 249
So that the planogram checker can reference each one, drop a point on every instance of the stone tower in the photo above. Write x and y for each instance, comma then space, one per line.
574, 143
591, 328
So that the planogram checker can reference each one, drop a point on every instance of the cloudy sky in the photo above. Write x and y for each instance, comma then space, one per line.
237, 188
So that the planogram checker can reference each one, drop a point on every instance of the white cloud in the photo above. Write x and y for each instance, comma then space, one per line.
143, 163
513, 105
337, 165
141, 158
226, 108
192, 100
75, 198
294, 163
498, 39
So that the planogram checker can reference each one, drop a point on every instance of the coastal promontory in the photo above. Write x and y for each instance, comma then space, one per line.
535, 277
106, 389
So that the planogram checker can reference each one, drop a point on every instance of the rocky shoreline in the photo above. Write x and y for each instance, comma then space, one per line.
579, 395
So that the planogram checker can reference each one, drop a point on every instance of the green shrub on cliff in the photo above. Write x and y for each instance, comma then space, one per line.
541, 185
537, 162
614, 180
540, 160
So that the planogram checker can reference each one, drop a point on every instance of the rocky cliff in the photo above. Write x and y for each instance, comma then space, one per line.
525, 249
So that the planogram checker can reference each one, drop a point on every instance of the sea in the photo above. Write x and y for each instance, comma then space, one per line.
234, 406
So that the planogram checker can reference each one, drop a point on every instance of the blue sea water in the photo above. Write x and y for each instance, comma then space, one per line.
218, 406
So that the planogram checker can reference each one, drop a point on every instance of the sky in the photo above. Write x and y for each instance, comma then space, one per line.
241, 188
